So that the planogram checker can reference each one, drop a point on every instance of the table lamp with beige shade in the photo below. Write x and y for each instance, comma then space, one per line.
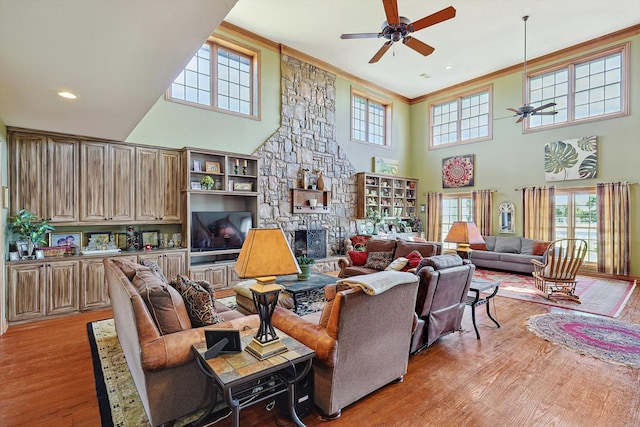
264, 255
464, 234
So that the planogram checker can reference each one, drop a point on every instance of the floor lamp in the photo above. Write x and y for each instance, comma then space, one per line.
264, 255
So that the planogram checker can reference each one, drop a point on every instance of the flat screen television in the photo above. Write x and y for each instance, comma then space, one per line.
214, 231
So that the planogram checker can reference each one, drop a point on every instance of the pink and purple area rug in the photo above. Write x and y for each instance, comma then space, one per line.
606, 297
606, 339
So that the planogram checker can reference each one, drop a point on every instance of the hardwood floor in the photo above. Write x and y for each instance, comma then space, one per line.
509, 377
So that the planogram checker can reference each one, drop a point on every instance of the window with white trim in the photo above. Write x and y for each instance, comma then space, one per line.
370, 120
455, 207
576, 217
221, 76
590, 88
466, 118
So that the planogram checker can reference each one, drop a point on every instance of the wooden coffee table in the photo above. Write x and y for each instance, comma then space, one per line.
244, 380
305, 291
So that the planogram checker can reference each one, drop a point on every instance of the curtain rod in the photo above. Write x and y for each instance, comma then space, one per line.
630, 183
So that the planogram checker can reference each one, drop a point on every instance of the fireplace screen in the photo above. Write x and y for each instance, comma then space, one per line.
312, 243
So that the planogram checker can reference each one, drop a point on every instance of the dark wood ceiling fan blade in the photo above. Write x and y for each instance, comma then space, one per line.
391, 10
514, 110
418, 46
361, 36
545, 113
551, 104
385, 47
435, 18
521, 118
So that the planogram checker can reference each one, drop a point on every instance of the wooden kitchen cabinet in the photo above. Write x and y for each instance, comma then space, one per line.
158, 179
217, 275
171, 262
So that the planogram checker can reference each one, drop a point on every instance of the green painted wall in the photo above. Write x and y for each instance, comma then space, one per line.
514, 160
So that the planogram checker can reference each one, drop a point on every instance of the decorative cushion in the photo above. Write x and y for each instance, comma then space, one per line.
509, 245
440, 262
490, 242
397, 264
358, 258
413, 259
359, 241
527, 246
539, 248
380, 245
163, 302
155, 268
198, 302
129, 268
379, 260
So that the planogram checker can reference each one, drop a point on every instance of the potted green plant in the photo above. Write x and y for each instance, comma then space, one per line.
305, 264
207, 182
30, 229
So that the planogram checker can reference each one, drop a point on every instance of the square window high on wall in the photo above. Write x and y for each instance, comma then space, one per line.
461, 119
592, 87
222, 76
370, 119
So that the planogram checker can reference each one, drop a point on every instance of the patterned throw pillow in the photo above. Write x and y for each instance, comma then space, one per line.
397, 264
379, 260
198, 301
358, 258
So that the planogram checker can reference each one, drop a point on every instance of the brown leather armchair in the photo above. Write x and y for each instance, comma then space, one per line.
442, 290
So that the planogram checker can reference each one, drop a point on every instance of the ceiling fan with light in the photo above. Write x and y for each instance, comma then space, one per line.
528, 110
397, 28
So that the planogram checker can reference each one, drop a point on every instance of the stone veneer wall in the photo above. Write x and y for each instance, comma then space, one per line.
306, 139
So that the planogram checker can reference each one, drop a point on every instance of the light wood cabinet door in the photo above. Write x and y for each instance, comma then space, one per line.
26, 292
216, 275
62, 287
170, 183
232, 276
122, 163
94, 187
174, 264
27, 174
63, 175
147, 173
93, 287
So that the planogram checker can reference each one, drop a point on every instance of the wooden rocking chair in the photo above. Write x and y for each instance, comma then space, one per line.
556, 276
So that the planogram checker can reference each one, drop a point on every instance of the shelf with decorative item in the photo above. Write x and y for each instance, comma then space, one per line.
310, 201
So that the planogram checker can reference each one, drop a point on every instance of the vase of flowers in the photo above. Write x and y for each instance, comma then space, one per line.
207, 182
305, 264
375, 217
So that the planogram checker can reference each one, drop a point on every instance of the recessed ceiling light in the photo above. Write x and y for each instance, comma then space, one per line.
448, 67
67, 95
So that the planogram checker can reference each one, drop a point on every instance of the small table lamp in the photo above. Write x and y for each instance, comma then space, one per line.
464, 234
264, 255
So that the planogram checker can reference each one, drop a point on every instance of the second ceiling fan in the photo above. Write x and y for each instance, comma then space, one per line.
397, 28
528, 110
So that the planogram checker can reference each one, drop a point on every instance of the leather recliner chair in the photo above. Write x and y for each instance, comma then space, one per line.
442, 291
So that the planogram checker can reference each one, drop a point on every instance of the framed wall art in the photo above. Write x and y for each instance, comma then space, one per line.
457, 171
150, 238
212, 167
385, 166
100, 239
571, 159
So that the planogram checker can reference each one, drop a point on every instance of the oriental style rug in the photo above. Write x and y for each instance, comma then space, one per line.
606, 297
606, 339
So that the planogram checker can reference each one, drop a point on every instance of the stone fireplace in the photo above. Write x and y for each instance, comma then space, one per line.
306, 139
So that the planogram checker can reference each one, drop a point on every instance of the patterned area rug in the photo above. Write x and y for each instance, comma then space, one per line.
607, 339
606, 297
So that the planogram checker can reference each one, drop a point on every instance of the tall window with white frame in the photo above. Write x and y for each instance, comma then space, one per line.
369, 120
590, 88
221, 76
576, 217
455, 207
466, 118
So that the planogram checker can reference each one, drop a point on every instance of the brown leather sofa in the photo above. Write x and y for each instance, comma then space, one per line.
442, 291
164, 371
361, 343
400, 248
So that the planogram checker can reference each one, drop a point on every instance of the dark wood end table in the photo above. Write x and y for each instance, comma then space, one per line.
474, 300
244, 380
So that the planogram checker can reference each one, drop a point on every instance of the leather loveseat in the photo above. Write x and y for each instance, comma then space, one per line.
442, 291
397, 248
167, 377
